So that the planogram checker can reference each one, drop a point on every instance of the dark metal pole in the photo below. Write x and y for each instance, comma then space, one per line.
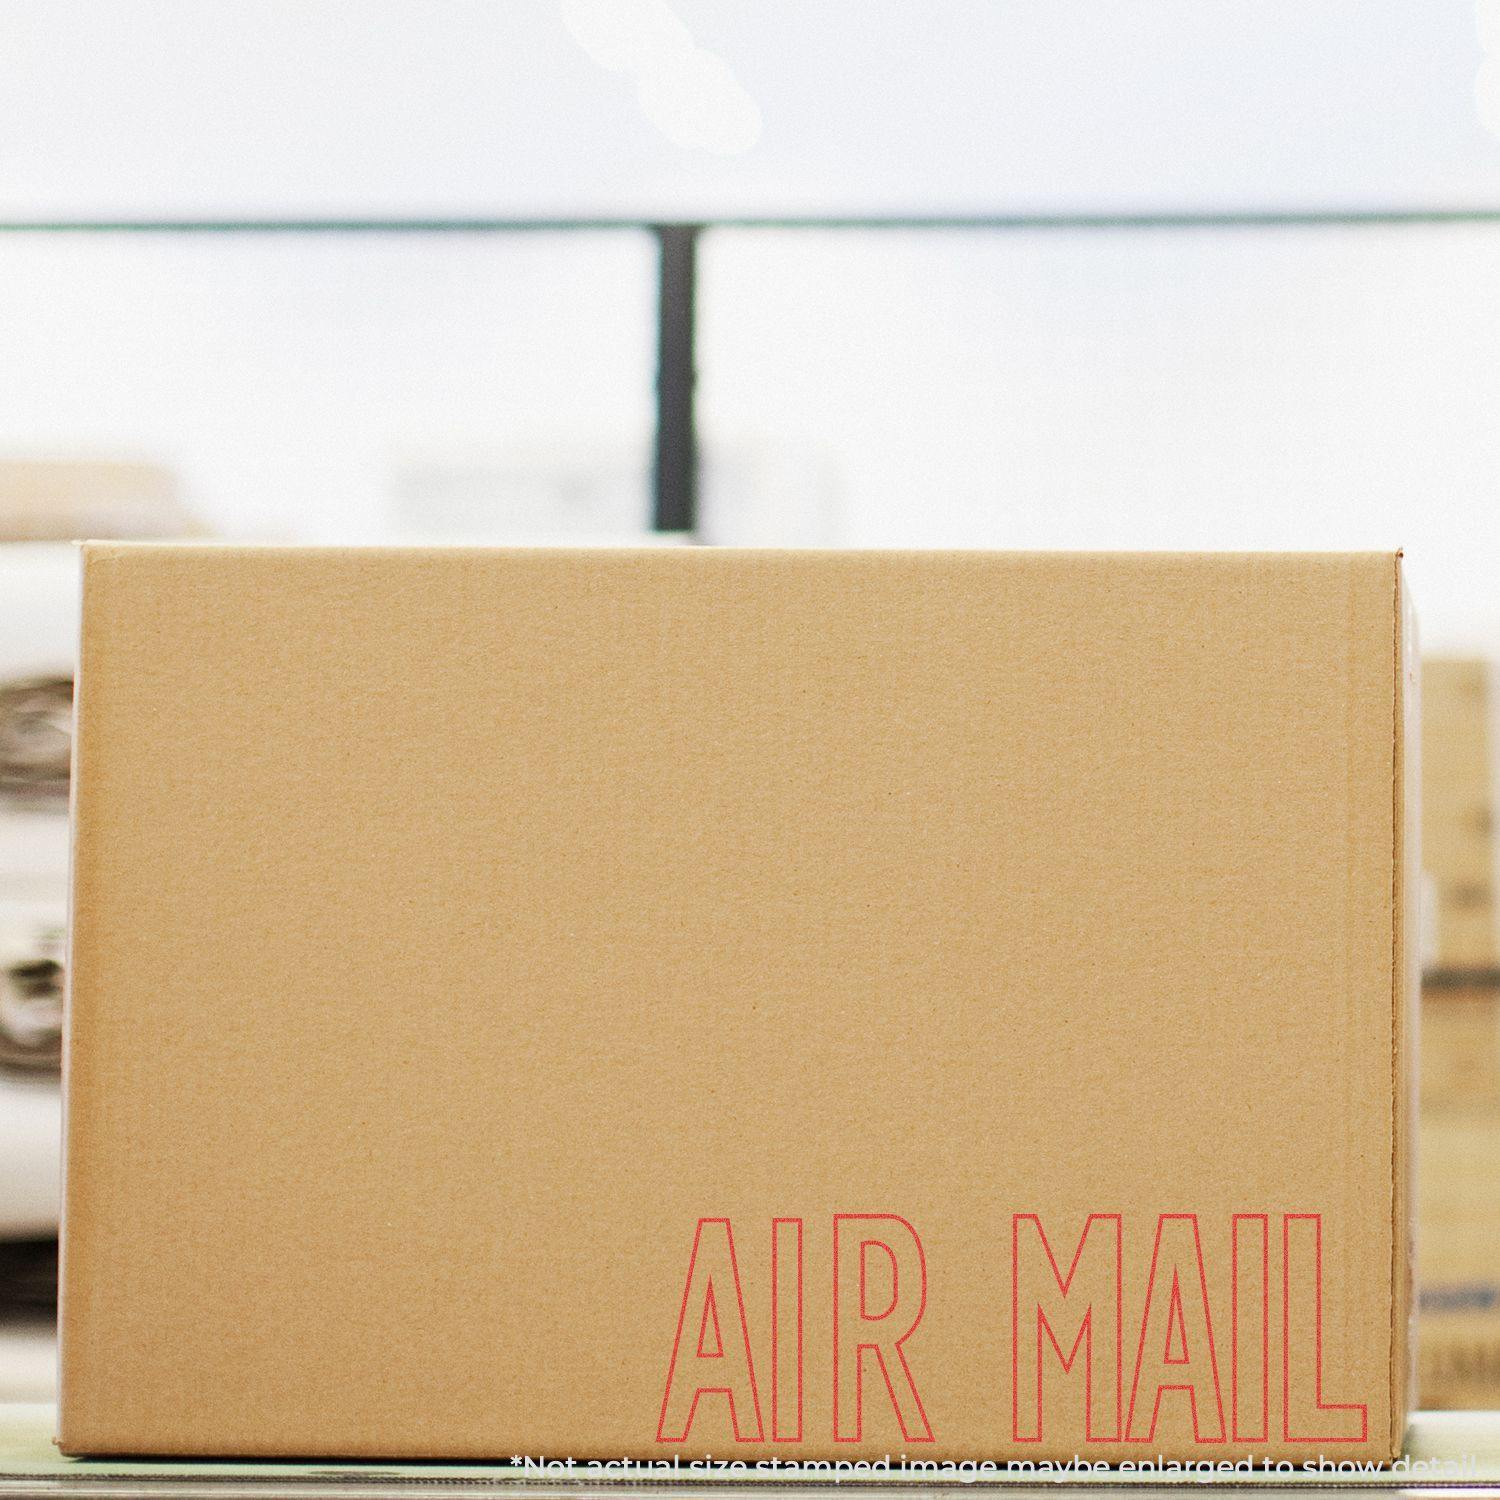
676, 480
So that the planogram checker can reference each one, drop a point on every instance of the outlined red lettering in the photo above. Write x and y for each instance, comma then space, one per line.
870, 1325
1176, 1349
1305, 1416
720, 1362
1084, 1305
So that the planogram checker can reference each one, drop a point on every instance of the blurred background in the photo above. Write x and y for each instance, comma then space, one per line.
999, 273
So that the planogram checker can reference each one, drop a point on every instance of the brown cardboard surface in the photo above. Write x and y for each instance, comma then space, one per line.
1458, 810
1460, 1094
1460, 1069
490, 968
1459, 1198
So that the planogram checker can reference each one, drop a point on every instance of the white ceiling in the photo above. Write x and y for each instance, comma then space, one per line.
119, 107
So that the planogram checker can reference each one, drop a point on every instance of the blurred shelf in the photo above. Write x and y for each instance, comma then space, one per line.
1290, 216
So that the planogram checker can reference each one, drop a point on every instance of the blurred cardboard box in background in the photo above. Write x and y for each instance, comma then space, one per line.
59, 500
1459, 1181
1458, 813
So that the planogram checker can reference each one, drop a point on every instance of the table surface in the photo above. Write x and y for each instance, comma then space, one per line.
1447, 1451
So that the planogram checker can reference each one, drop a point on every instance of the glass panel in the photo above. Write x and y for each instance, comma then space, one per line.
338, 386
1247, 388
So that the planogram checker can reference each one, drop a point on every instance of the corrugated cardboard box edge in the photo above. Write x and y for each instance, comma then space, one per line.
1406, 980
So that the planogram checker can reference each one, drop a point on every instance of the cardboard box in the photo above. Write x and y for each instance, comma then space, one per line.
1458, 812
1459, 1186
1459, 1196
55, 500
796, 1006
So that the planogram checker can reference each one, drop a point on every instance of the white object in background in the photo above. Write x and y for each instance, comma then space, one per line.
38, 635
33, 860
30, 1156
570, 490
769, 492
38, 610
